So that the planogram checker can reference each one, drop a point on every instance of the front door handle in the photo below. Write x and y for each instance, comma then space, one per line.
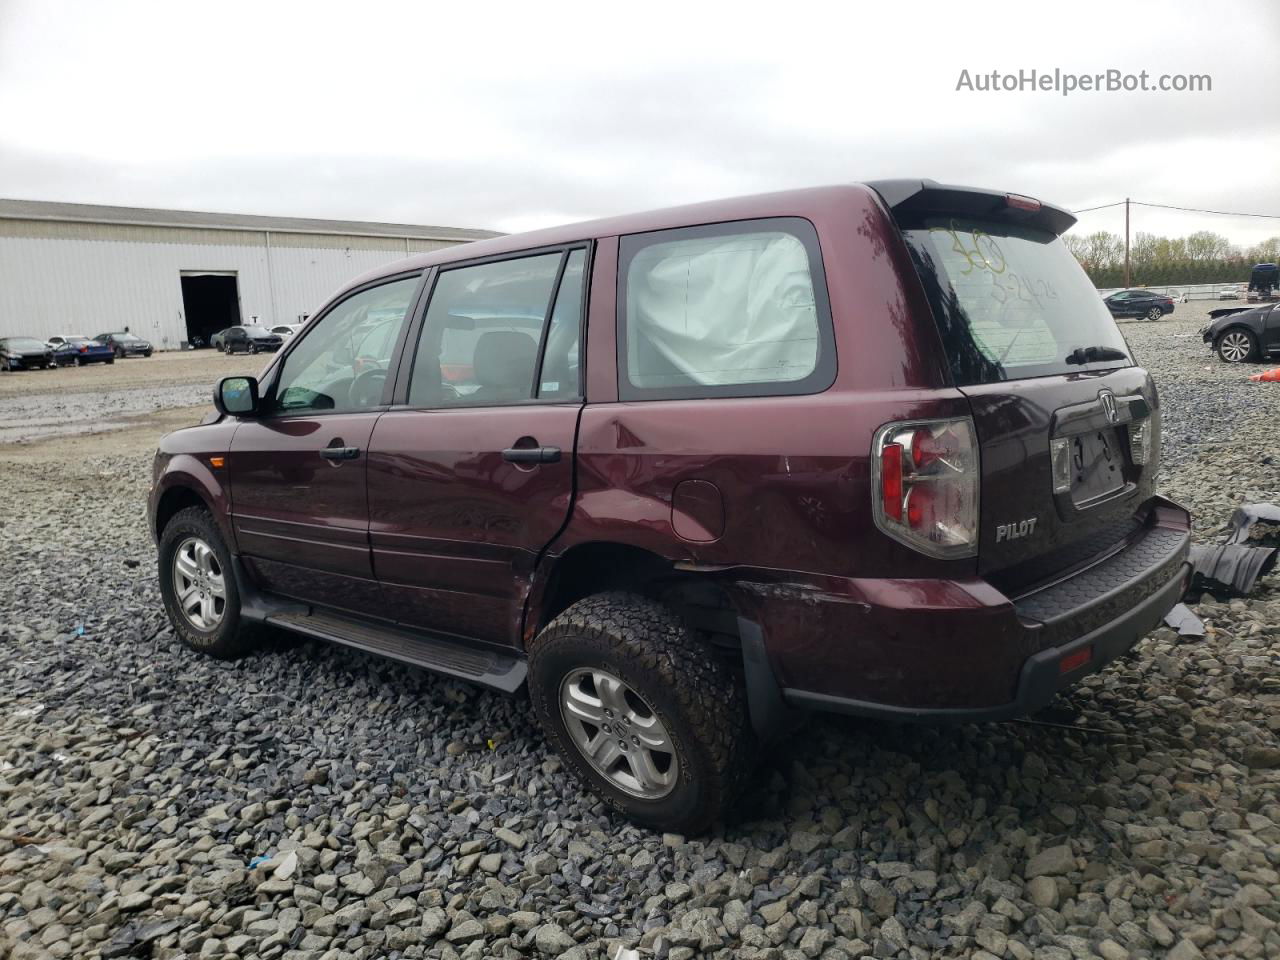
531, 455
340, 453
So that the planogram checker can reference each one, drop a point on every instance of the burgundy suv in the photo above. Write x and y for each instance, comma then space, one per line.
877, 449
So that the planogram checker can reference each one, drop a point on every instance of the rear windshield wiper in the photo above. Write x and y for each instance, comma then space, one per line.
1094, 354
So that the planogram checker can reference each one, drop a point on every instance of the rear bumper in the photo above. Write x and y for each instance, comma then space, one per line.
1041, 677
961, 650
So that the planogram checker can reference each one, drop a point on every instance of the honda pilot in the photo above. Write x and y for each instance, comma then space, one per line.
876, 449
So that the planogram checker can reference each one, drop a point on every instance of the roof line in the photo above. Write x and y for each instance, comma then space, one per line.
47, 211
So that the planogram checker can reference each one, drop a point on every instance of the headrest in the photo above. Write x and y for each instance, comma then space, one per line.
505, 359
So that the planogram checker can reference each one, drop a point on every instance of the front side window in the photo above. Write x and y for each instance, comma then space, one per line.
341, 364
734, 309
483, 332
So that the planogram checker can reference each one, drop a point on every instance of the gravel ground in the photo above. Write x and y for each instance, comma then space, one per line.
98, 398
403, 815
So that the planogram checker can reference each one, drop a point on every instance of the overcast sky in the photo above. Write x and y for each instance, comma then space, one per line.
511, 116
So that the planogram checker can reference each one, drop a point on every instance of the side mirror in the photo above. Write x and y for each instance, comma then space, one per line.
237, 396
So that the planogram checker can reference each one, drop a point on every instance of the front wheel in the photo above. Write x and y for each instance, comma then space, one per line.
1237, 346
643, 712
199, 588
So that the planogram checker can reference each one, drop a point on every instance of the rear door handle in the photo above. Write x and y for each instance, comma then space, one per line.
531, 455
340, 453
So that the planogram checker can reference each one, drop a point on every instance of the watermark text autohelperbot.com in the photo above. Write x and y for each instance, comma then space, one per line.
1066, 83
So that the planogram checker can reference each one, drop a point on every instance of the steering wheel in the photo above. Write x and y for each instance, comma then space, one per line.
366, 388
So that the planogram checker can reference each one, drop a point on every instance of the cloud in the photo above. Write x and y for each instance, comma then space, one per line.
513, 116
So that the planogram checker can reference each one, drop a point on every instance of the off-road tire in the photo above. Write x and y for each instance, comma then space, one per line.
694, 693
232, 637
1249, 357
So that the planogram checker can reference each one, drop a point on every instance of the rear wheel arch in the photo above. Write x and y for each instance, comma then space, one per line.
584, 570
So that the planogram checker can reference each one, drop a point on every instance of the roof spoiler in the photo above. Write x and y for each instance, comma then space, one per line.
912, 199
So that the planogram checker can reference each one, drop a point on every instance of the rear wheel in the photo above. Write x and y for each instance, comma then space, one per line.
198, 585
650, 718
1155, 313
1237, 345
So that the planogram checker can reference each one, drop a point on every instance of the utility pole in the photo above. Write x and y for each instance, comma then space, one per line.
1126, 241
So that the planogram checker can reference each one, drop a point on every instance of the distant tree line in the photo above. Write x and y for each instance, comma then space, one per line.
1203, 257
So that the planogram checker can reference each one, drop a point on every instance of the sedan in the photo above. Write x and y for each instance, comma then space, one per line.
1139, 303
1229, 293
1245, 334
62, 338
24, 353
82, 350
125, 344
251, 339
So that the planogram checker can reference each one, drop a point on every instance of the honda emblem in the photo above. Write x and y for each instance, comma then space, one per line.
1109, 406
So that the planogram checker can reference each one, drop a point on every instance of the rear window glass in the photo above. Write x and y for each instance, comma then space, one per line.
1011, 302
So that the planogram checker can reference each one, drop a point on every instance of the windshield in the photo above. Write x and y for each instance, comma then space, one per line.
26, 343
257, 332
124, 337
1011, 303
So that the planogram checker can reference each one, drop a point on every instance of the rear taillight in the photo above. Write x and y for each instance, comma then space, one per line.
1140, 441
84, 349
926, 485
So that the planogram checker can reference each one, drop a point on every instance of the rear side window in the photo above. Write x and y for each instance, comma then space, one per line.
734, 309
1012, 302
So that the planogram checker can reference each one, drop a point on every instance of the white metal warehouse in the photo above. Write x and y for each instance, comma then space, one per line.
170, 275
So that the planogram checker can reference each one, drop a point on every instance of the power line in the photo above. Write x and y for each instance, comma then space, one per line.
1223, 213
1102, 207
1169, 206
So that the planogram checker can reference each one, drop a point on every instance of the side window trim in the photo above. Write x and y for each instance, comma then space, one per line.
557, 291
413, 331
817, 381
546, 325
314, 322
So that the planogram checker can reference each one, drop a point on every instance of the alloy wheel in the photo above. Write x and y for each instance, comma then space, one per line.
1235, 347
199, 584
618, 733
1155, 313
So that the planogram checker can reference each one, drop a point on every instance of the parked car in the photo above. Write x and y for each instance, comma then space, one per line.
63, 338
1229, 293
1264, 280
1244, 335
125, 344
286, 330
80, 351
747, 495
1139, 303
24, 353
251, 339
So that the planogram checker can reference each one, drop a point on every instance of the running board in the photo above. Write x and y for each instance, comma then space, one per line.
477, 665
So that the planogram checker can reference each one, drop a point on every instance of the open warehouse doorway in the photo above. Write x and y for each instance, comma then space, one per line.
210, 302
